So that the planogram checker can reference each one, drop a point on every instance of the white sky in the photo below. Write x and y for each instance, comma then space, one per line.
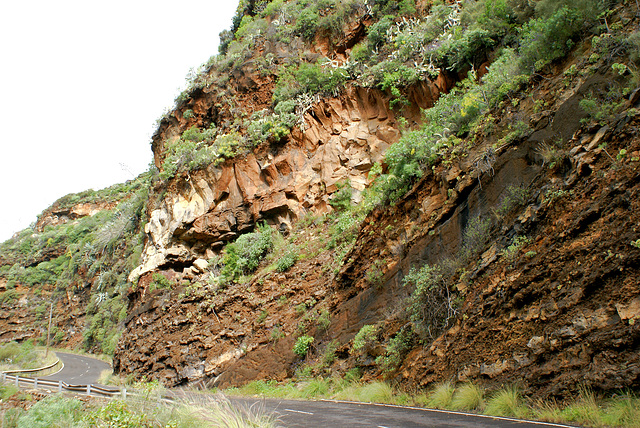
82, 83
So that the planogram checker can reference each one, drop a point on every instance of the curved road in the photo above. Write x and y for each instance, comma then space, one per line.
81, 370
78, 369
303, 414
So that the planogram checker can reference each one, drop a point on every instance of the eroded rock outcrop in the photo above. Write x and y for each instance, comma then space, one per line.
342, 139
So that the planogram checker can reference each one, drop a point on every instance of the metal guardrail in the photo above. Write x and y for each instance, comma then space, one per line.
60, 385
39, 369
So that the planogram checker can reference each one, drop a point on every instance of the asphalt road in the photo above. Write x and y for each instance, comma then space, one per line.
303, 414
325, 413
79, 370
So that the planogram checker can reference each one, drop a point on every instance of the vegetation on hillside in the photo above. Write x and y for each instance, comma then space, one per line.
494, 51
90, 257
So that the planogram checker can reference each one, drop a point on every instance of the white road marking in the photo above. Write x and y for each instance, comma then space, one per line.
298, 411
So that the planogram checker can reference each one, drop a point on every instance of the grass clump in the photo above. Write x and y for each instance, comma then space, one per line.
468, 397
441, 396
507, 402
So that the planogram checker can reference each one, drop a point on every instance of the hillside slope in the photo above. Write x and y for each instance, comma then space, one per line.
422, 191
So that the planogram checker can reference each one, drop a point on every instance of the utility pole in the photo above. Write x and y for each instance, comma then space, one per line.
46, 354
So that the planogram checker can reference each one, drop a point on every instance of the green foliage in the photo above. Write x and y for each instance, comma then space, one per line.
196, 135
544, 40
468, 397
377, 33
245, 254
441, 396
365, 338
324, 320
475, 236
431, 305
468, 48
19, 356
599, 110
287, 260
160, 282
302, 345
51, 412
513, 197
341, 199
117, 413
307, 23
320, 79
393, 7
506, 402
266, 127
394, 77
7, 391
396, 349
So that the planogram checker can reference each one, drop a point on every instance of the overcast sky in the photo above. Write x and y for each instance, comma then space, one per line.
81, 86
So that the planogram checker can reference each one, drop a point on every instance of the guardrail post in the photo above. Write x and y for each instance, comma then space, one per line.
17, 381
124, 392
59, 386
89, 389
35, 383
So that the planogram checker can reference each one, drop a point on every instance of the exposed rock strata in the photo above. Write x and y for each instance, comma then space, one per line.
342, 140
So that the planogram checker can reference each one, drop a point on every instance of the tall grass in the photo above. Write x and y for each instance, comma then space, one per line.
192, 411
507, 402
441, 396
468, 397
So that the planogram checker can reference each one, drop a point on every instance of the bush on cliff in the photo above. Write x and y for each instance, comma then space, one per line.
245, 254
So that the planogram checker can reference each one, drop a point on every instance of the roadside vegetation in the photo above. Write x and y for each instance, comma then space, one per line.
98, 251
586, 408
146, 411
23, 356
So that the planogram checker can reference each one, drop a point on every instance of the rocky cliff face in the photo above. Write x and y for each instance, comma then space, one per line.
480, 228
532, 229
342, 139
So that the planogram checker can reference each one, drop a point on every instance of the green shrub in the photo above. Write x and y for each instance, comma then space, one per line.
274, 127
160, 282
307, 23
431, 304
469, 48
377, 33
366, 336
319, 79
8, 296
302, 345
341, 199
396, 349
394, 77
475, 236
544, 40
7, 391
393, 7
52, 411
287, 260
245, 254
468, 397
196, 135
117, 413
513, 197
